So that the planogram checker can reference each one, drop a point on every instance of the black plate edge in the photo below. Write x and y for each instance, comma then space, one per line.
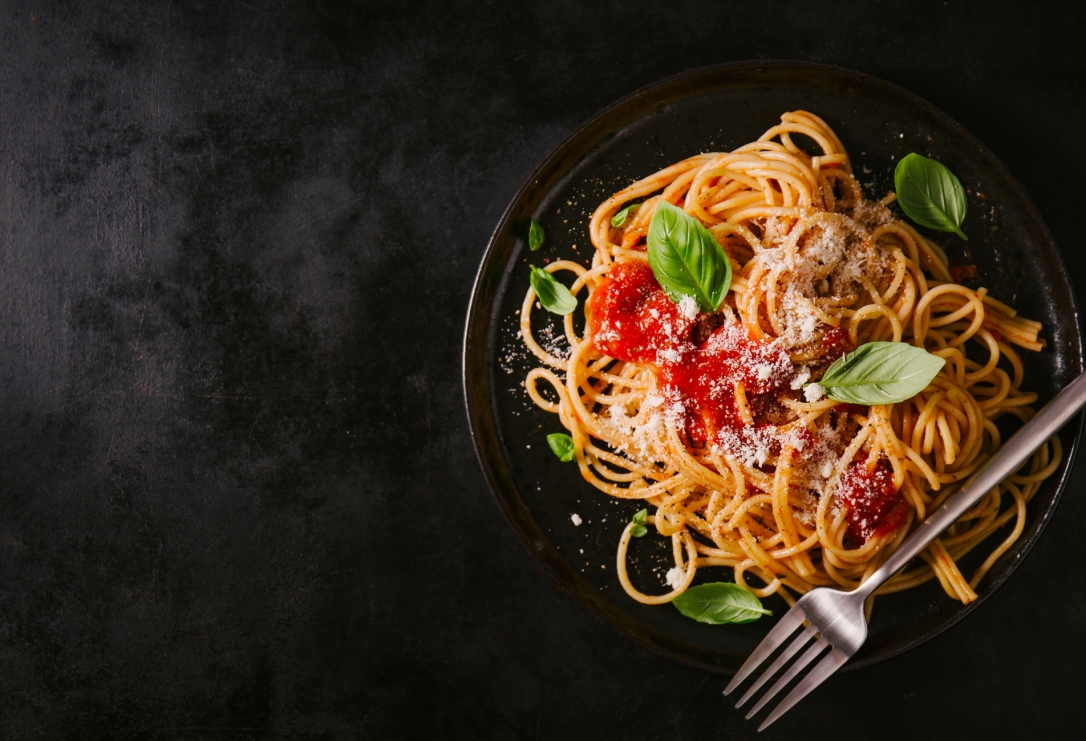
477, 394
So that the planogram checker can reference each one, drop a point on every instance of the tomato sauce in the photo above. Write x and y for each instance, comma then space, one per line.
875, 505
835, 343
631, 318
705, 385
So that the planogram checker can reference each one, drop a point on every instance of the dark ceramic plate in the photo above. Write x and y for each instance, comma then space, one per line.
718, 109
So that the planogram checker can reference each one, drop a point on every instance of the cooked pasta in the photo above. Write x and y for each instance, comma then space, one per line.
715, 419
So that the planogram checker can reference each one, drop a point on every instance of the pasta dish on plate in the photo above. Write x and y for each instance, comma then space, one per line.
725, 404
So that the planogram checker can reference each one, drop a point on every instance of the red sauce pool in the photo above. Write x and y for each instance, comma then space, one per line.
875, 506
631, 318
704, 385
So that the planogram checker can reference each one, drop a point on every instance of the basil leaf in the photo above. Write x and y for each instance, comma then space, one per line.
686, 259
639, 531
535, 235
641, 517
930, 194
881, 373
554, 296
562, 446
720, 603
620, 218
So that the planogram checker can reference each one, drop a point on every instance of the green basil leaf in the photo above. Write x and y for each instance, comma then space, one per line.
620, 218
686, 259
881, 373
639, 531
720, 603
641, 517
535, 235
562, 446
554, 296
930, 194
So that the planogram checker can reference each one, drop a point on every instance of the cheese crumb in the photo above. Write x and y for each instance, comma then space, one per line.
653, 400
808, 326
689, 307
763, 371
814, 393
803, 377
675, 577
576, 519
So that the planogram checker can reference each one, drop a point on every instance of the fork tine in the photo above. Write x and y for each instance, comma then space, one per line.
808, 656
817, 676
769, 644
801, 641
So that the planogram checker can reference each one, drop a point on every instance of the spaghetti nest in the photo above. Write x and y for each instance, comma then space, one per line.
790, 493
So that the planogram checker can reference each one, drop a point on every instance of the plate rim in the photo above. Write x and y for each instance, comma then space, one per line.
603, 611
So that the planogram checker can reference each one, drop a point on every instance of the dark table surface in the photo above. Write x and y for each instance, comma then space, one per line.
239, 499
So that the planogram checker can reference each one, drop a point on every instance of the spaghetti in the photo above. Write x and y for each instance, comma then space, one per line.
716, 420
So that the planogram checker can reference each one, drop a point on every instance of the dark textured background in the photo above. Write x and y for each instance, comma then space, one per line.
236, 246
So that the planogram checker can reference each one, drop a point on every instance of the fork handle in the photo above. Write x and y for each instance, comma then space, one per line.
1004, 463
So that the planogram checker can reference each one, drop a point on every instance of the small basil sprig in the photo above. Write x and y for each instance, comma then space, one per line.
720, 603
620, 218
881, 373
686, 259
554, 296
639, 529
562, 446
535, 235
930, 194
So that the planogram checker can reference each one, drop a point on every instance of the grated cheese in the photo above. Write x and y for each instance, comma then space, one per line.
689, 307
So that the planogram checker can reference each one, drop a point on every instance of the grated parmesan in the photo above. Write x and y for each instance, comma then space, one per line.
689, 307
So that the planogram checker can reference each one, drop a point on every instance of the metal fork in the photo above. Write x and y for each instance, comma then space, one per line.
835, 619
